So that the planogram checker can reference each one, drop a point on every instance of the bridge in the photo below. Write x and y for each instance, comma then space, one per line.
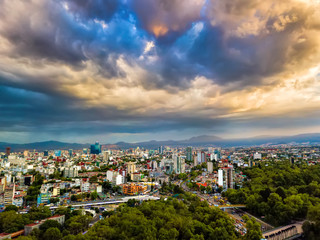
231, 206
108, 202
284, 232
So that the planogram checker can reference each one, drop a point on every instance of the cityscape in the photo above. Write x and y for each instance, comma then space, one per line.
159, 119
91, 183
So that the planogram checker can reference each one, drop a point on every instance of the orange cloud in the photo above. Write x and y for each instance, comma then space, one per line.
159, 30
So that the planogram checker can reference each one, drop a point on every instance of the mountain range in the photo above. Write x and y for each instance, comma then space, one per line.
204, 140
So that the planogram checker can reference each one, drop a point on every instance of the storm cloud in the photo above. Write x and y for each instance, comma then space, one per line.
151, 67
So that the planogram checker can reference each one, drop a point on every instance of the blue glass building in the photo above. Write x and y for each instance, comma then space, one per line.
95, 149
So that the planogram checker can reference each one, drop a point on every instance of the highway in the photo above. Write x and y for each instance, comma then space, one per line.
106, 202
101, 202
236, 215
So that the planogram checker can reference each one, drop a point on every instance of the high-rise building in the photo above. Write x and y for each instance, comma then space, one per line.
225, 177
220, 177
85, 151
217, 155
161, 149
210, 150
195, 160
95, 149
210, 167
189, 154
105, 156
9, 193
70, 152
8, 149
201, 157
57, 153
131, 167
178, 164
46, 153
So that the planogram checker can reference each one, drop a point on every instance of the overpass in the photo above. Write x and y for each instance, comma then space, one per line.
231, 206
108, 202
284, 232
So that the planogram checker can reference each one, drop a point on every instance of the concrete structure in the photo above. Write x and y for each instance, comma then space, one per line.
210, 167
9, 193
56, 191
131, 167
117, 179
84, 186
71, 172
133, 189
225, 177
109, 175
43, 198
178, 164
28, 228
257, 155
106, 156
201, 156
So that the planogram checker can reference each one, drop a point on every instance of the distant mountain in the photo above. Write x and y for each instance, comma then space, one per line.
204, 140
41, 146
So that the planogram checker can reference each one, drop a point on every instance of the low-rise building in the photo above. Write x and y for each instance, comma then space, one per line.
28, 228
133, 189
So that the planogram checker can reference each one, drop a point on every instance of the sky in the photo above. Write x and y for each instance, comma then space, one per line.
135, 70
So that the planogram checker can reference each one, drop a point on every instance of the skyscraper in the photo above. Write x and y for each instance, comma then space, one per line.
201, 157
178, 164
95, 149
189, 153
161, 149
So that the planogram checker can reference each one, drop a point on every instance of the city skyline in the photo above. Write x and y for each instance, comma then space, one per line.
81, 71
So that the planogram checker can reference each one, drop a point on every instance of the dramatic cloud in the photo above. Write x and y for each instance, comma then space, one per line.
146, 68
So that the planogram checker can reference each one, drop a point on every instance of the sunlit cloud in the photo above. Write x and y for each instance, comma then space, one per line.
141, 68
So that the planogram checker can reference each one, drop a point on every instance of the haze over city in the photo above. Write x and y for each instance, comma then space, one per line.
135, 70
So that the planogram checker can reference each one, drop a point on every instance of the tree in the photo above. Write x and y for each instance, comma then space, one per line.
94, 195
50, 224
38, 213
64, 211
11, 222
93, 179
54, 200
189, 218
35, 233
78, 224
253, 229
25, 238
132, 202
11, 208
52, 234
73, 198
281, 192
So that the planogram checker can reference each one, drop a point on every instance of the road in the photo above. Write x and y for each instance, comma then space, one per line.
233, 211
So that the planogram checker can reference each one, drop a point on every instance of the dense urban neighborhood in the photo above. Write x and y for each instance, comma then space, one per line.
255, 190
